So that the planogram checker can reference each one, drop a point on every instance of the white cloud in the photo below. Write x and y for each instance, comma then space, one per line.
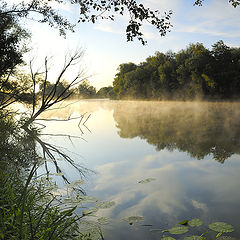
216, 18
166, 199
163, 5
208, 28
107, 26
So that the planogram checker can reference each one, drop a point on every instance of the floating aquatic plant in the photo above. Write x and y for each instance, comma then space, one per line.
147, 180
221, 227
195, 222
178, 230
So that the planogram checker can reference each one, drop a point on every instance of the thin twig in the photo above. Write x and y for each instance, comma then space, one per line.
55, 119
87, 119
62, 135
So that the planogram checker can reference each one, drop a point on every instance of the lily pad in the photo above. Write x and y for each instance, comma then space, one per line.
195, 222
168, 238
178, 230
184, 222
221, 227
147, 180
193, 238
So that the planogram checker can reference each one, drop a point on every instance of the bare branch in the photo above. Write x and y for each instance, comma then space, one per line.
53, 97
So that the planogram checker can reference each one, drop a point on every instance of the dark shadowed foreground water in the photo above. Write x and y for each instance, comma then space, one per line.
189, 152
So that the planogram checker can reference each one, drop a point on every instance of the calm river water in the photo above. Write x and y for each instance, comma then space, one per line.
189, 152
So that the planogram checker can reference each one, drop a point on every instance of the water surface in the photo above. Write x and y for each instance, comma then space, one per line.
191, 150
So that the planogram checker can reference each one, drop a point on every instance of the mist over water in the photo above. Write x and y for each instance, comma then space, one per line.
198, 128
129, 141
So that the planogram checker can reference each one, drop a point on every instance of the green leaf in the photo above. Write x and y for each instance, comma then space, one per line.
195, 222
221, 227
194, 237
168, 238
178, 230
147, 180
219, 234
184, 222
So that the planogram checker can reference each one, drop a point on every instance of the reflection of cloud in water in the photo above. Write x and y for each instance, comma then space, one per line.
199, 205
165, 193
184, 187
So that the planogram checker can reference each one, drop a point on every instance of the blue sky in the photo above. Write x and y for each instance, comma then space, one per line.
106, 46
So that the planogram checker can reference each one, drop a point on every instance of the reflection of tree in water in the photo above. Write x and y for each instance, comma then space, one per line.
17, 147
197, 128
22, 147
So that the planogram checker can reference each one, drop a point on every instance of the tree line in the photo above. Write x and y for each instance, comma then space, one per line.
194, 72
83, 90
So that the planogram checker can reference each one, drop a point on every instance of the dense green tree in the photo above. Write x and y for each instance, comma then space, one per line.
119, 82
226, 69
106, 92
194, 72
85, 90
61, 87
167, 76
12, 47
14, 85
